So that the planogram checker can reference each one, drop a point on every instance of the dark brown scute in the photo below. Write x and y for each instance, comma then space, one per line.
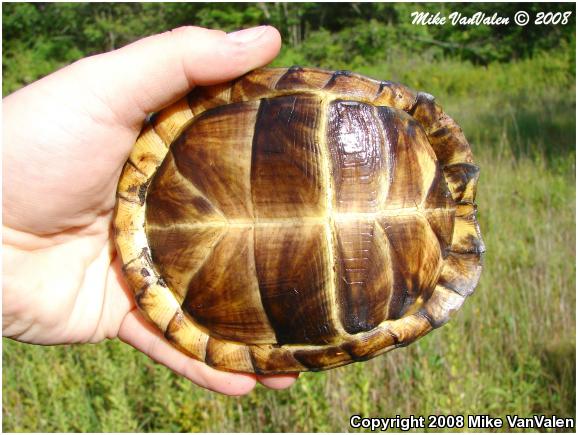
293, 273
172, 198
214, 154
416, 260
223, 296
365, 279
409, 151
358, 159
179, 252
286, 163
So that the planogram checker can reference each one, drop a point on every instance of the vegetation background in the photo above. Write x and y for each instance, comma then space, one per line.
511, 349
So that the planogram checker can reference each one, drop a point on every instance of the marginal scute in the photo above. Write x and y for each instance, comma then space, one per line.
466, 210
138, 273
227, 354
130, 184
461, 272
150, 154
136, 243
462, 180
157, 302
319, 358
466, 238
169, 123
254, 87
129, 218
204, 98
352, 85
441, 305
425, 110
274, 359
449, 142
299, 219
395, 95
409, 328
367, 345
186, 336
297, 78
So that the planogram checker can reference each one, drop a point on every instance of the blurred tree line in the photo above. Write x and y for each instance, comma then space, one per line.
39, 37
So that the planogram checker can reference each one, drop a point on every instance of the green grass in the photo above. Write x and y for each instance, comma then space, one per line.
510, 350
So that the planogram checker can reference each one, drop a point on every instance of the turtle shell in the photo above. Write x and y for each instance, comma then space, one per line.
299, 219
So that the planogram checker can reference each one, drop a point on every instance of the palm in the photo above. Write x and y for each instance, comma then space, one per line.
66, 139
73, 179
74, 232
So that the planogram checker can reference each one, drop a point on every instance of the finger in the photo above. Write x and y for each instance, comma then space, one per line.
160, 69
278, 382
144, 337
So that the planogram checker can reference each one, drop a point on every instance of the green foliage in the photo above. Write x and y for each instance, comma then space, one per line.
38, 38
510, 350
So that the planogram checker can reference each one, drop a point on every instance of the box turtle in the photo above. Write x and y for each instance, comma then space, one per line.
298, 219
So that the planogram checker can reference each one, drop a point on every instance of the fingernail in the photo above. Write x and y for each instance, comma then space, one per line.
247, 35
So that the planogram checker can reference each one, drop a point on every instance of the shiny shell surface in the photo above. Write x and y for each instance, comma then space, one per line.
299, 219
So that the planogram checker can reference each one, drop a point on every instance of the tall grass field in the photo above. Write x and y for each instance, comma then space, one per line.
510, 350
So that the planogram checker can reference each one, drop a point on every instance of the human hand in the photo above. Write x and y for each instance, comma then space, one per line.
66, 138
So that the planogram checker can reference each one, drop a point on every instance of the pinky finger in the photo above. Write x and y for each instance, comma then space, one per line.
277, 382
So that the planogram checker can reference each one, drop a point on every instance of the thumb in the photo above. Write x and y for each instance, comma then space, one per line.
156, 71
